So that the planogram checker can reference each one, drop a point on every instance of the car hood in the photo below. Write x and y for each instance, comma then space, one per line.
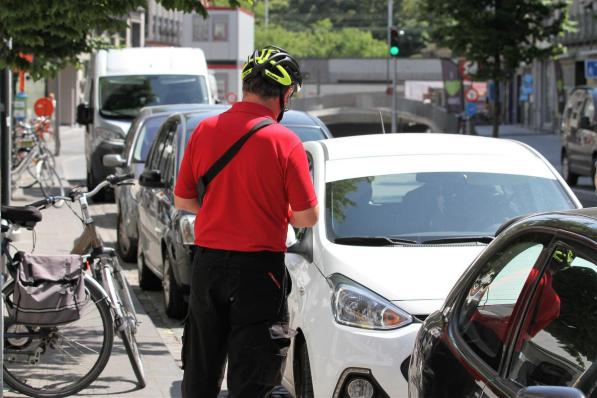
122, 126
403, 273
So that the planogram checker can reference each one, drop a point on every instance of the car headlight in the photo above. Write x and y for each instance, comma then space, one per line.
187, 229
108, 134
355, 305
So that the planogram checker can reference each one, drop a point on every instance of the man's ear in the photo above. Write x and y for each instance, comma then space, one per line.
287, 94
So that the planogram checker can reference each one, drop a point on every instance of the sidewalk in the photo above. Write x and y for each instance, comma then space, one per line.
509, 130
55, 234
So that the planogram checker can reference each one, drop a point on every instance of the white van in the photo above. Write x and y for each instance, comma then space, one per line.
122, 81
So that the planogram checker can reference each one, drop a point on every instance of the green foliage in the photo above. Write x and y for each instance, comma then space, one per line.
55, 32
321, 41
498, 34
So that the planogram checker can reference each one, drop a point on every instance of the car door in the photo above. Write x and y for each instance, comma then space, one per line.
484, 318
556, 344
574, 140
148, 209
587, 135
164, 196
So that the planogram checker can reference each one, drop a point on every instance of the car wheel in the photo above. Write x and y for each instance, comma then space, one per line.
174, 302
147, 279
302, 373
127, 247
567, 174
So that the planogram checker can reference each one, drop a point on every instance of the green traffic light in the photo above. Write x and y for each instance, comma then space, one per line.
394, 51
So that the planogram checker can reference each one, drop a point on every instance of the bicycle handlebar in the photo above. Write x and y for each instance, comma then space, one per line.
110, 180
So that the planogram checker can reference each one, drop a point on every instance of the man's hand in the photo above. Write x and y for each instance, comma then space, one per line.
189, 205
306, 218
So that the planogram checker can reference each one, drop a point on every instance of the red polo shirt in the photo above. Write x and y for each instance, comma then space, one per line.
245, 207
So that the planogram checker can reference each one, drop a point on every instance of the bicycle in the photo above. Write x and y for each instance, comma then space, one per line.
109, 271
109, 280
54, 361
31, 155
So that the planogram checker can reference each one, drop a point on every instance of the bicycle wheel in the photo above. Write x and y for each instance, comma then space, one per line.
58, 361
49, 180
129, 332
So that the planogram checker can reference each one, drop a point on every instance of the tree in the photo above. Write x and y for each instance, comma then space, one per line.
321, 40
497, 34
56, 32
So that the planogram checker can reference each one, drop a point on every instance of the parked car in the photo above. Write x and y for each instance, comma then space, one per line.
136, 147
166, 235
521, 321
122, 81
579, 135
402, 216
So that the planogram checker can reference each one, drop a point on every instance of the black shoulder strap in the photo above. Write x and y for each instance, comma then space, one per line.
232, 151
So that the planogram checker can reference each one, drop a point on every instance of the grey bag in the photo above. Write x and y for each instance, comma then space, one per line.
49, 290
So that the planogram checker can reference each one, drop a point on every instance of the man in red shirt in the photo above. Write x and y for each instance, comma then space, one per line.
237, 305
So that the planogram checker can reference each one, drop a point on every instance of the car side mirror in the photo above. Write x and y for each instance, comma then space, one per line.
291, 239
585, 123
151, 179
84, 114
549, 392
303, 245
113, 160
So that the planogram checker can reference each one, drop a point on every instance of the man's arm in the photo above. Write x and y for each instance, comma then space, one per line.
190, 205
306, 218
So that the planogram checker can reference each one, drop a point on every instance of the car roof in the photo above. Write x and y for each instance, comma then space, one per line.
155, 109
378, 145
578, 221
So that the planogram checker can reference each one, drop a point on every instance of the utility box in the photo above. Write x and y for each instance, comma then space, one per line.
226, 37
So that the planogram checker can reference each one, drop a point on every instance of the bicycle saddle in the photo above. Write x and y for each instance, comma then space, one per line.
26, 216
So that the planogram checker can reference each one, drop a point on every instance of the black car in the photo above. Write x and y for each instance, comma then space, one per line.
166, 235
522, 320
136, 147
579, 135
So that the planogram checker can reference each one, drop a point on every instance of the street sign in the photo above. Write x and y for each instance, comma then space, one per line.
470, 109
43, 107
591, 68
471, 95
468, 69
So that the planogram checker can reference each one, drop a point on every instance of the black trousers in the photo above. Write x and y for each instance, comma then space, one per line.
237, 310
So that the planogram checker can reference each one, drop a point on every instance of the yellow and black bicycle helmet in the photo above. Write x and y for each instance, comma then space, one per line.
274, 64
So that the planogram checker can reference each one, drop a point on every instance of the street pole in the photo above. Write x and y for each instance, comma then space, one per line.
394, 99
390, 10
58, 97
5, 123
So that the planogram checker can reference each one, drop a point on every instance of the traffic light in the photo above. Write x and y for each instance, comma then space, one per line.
394, 47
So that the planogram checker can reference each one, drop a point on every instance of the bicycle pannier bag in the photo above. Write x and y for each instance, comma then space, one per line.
49, 290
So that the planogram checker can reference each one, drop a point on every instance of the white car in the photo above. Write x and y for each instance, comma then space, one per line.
402, 216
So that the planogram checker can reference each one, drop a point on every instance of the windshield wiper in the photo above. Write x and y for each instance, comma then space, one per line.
460, 239
372, 241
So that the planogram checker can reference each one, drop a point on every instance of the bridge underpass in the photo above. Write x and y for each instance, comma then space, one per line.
362, 113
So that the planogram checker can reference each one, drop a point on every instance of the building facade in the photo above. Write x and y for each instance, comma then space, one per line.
226, 37
537, 95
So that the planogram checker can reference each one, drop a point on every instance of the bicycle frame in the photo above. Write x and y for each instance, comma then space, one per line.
89, 242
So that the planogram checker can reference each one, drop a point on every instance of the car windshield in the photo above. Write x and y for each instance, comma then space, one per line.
441, 206
146, 136
123, 96
307, 133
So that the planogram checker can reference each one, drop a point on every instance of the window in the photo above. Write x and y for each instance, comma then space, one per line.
200, 28
146, 137
558, 339
220, 28
428, 206
167, 158
155, 155
487, 313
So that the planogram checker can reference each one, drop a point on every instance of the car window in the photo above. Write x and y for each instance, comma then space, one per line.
578, 100
589, 110
436, 205
486, 316
165, 164
146, 135
558, 338
153, 162
307, 133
